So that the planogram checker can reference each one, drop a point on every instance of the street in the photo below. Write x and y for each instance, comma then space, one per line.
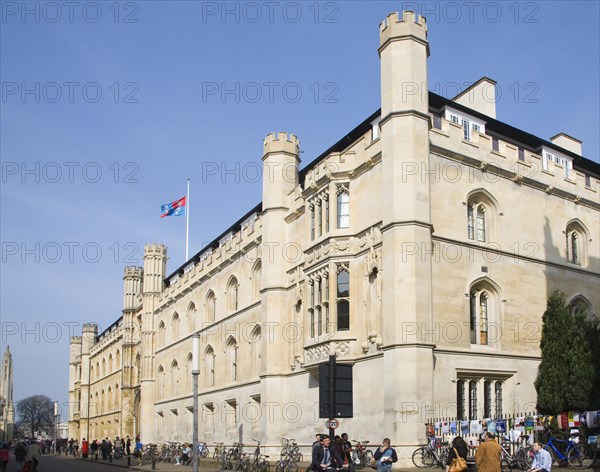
50, 463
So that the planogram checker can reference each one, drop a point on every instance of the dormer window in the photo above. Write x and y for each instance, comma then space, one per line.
468, 123
375, 129
557, 158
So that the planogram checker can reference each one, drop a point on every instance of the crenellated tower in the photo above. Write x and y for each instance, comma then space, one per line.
6, 395
408, 363
87, 407
75, 369
281, 159
155, 266
132, 301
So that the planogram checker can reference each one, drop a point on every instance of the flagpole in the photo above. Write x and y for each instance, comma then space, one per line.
187, 220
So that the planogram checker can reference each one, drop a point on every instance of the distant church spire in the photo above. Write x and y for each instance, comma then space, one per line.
7, 413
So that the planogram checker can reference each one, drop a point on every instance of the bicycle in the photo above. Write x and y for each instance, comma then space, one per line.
219, 450
223, 460
203, 450
290, 449
578, 456
361, 455
521, 459
260, 463
286, 465
435, 453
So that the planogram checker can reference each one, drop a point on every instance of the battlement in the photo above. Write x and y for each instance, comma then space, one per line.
75, 340
133, 271
90, 327
281, 142
154, 249
398, 26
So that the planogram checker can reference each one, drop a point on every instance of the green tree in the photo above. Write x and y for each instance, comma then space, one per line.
566, 374
593, 339
35, 414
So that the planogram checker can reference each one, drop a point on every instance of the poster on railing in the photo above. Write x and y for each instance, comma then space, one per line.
529, 424
501, 426
464, 427
592, 419
453, 429
573, 419
563, 421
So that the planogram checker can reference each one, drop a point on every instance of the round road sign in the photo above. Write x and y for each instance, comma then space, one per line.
332, 423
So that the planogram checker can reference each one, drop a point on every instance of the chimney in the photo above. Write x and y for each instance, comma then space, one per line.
568, 142
481, 97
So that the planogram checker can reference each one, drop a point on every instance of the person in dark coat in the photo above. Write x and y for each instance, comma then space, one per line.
461, 447
326, 457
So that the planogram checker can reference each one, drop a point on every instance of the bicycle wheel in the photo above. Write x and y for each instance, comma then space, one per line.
263, 466
204, 453
505, 464
423, 458
367, 458
525, 458
283, 454
291, 466
581, 456
278, 467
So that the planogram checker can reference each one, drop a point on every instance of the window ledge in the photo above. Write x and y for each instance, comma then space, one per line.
470, 143
484, 347
439, 131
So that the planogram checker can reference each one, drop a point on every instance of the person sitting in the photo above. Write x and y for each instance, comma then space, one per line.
185, 455
325, 457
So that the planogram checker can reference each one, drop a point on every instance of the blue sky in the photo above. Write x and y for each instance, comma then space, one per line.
108, 108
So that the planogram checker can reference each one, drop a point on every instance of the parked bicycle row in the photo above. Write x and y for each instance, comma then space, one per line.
511, 454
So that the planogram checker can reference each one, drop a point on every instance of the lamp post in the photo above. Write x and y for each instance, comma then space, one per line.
195, 372
55, 426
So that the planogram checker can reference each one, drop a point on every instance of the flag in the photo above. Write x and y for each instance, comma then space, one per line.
175, 208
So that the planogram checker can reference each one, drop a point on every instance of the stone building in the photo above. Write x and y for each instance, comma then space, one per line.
7, 408
420, 248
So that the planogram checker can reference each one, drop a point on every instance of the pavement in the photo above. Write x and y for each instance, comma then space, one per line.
209, 465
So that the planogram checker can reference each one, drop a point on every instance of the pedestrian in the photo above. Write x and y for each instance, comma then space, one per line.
459, 446
94, 448
488, 455
137, 452
85, 446
4, 457
33, 456
118, 447
385, 455
542, 460
20, 453
71, 442
128, 446
104, 449
109, 447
